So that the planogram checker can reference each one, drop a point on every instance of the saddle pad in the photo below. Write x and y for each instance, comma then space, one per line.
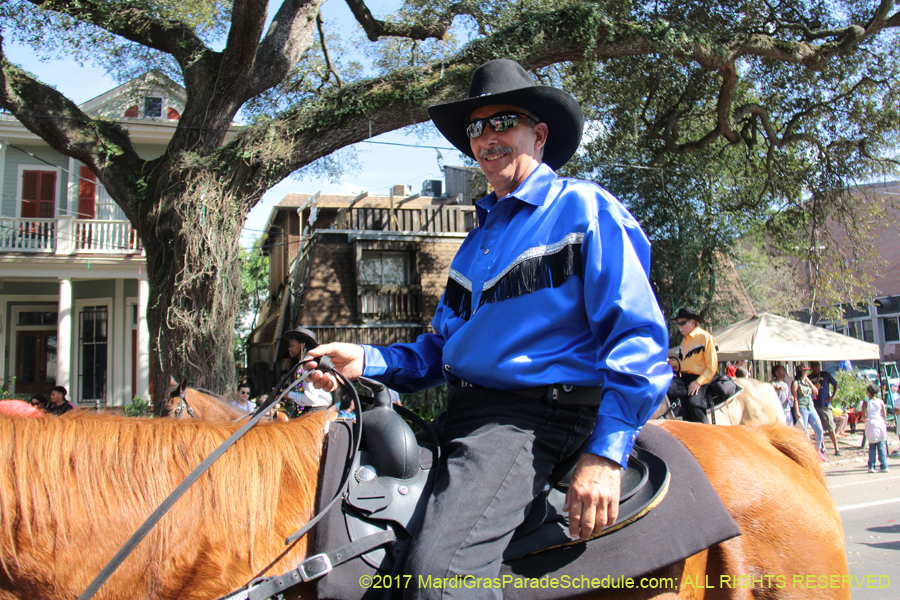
690, 518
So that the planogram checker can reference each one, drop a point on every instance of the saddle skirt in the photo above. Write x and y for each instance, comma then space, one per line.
668, 511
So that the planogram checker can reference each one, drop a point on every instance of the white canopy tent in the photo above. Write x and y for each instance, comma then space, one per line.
770, 337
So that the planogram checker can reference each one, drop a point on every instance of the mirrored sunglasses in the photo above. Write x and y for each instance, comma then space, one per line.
499, 122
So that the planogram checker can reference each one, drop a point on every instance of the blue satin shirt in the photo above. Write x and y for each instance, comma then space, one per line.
551, 288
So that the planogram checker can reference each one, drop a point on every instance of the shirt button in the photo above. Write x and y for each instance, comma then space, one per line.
486, 250
447, 368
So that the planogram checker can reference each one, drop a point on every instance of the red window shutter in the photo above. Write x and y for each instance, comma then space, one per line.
47, 194
30, 194
87, 194
172, 114
131, 112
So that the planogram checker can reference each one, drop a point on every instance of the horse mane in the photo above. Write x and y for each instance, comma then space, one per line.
73, 490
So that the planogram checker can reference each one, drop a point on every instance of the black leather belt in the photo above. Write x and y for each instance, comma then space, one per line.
556, 394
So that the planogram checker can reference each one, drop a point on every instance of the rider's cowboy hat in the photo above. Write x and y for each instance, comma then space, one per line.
504, 81
688, 313
302, 335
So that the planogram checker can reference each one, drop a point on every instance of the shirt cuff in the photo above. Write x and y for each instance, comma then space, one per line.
612, 439
374, 365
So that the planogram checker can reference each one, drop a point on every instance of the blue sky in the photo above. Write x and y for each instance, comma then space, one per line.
381, 165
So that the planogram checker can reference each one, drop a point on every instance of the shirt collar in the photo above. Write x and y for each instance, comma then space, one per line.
534, 190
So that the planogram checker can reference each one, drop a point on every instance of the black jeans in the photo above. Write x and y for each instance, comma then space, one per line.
500, 449
693, 408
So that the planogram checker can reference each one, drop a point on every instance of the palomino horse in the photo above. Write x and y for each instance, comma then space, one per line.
757, 404
73, 490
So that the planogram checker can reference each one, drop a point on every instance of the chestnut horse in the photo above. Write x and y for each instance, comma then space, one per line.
73, 490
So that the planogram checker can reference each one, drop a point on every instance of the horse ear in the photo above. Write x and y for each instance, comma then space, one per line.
182, 386
172, 382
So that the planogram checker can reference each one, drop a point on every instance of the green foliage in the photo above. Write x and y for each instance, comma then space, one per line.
139, 407
5, 394
429, 403
851, 389
254, 291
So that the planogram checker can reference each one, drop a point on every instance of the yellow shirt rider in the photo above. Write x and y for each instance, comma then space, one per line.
699, 363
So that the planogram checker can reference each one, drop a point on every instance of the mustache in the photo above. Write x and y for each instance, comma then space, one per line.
498, 149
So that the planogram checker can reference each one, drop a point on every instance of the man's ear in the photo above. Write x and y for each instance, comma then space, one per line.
540, 135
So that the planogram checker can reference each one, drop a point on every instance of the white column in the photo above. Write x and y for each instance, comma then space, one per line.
143, 342
64, 337
117, 388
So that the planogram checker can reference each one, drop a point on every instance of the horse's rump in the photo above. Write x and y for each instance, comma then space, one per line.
771, 481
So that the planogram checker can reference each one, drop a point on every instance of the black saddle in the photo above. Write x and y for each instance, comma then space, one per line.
392, 476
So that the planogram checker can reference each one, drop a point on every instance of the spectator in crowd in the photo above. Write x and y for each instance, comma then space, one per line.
243, 398
300, 341
895, 401
875, 413
803, 390
39, 401
58, 404
828, 387
779, 376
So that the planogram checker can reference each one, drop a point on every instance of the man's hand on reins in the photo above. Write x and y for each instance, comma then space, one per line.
592, 501
348, 359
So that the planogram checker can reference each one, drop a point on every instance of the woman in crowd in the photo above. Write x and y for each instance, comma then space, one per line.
803, 390
791, 414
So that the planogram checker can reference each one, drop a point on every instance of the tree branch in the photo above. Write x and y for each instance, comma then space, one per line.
103, 145
436, 28
575, 32
131, 21
247, 20
289, 35
331, 68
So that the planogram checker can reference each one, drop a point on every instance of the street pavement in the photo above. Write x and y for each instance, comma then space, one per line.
869, 505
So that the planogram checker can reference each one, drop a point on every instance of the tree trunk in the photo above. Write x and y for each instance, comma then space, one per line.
193, 267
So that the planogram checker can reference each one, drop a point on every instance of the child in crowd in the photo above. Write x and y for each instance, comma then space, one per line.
874, 413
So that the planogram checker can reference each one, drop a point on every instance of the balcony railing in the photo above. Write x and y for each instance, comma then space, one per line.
67, 235
432, 219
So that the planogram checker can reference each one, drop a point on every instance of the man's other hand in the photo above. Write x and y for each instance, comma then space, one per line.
348, 359
593, 497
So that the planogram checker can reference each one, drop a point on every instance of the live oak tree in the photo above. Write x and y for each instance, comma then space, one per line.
701, 79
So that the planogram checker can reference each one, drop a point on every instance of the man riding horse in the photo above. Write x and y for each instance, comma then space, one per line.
548, 332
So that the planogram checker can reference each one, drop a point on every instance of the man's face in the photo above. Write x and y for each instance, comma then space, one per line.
295, 348
56, 397
815, 367
243, 394
508, 157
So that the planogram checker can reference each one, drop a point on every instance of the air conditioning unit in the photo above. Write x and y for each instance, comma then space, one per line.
402, 190
432, 187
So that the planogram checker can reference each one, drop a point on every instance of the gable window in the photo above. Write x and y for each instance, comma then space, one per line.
153, 107
38, 194
384, 268
891, 329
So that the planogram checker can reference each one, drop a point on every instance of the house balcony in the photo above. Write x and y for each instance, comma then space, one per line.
68, 236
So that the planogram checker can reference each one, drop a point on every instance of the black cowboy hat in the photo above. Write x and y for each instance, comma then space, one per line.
504, 81
688, 313
302, 335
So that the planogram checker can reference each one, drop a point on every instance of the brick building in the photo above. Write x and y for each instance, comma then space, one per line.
879, 320
365, 269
